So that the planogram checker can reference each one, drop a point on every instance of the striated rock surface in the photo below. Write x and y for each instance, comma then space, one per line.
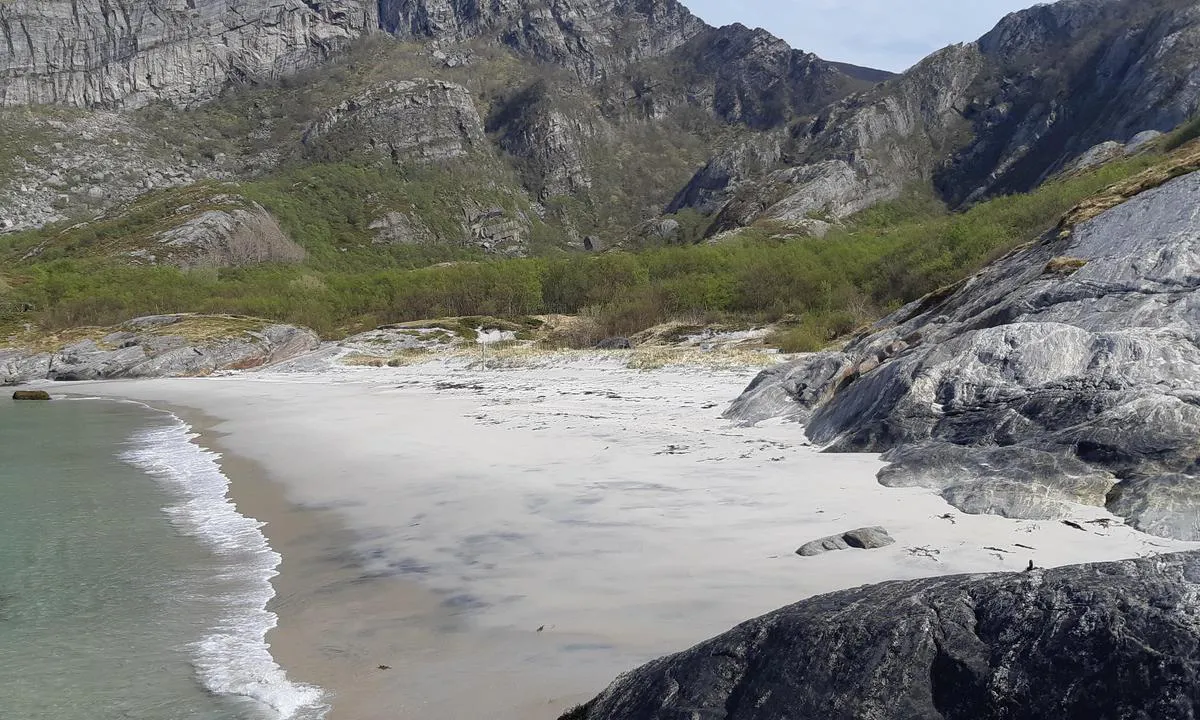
1066, 372
590, 37
1000, 115
1116, 640
19, 366
162, 346
857, 153
417, 121
111, 53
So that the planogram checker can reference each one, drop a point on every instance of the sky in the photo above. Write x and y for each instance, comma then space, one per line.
885, 34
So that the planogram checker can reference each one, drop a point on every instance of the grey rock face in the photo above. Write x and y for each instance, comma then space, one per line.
550, 144
146, 348
855, 154
590, 37
103, 53
19, 366
996, 116
1129, 64
790, 390
1116, 640
1027, 388
228, 238
861, 539
418, 121
396, 228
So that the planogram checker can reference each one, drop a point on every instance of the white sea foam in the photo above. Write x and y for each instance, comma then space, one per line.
233, 658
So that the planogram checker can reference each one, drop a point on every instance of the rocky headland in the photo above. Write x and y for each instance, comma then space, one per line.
1065, 372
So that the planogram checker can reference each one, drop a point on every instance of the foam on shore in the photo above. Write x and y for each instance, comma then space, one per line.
233, 658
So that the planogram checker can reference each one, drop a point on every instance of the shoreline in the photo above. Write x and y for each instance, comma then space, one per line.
531, 534
317, 581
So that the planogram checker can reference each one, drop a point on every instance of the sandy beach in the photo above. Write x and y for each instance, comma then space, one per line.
506, 541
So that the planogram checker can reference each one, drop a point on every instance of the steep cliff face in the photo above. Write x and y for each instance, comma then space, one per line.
853, 155
111, 53
592, 37
1063, 78
999, 115
602, 107
1116, 640
411, 121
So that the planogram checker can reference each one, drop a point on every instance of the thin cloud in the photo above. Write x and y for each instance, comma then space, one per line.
878, 33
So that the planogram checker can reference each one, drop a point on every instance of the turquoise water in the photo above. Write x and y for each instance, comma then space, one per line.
129, 586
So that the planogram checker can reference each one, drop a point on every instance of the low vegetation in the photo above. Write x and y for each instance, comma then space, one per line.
819, 289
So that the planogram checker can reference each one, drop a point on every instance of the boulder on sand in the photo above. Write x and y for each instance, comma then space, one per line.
863, 539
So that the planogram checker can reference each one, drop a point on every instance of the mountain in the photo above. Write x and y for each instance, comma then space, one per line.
586, 115
556, 124
992, 117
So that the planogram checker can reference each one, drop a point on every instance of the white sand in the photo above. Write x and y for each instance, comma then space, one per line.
614, 508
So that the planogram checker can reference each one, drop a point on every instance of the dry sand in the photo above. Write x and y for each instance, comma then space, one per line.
434, 518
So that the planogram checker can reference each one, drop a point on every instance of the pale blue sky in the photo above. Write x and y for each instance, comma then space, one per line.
887, 34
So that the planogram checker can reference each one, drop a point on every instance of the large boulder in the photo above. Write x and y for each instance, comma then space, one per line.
1066, 372
1117, 640
243, 234
862, 539
31, 395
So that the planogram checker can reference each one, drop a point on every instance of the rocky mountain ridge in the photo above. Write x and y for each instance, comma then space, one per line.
571, 96
598, 112
995, 116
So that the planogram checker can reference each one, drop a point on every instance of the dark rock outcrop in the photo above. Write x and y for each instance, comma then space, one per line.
862, 539
1028, 387
1117, 640
31, 395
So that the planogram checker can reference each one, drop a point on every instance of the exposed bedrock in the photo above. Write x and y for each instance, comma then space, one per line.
1066, 372
1116, 640
162, 346
109, 53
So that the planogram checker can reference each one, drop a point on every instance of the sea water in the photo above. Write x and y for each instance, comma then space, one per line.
130, 586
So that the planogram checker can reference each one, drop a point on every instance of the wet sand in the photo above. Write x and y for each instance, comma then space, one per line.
507, 541
353, 633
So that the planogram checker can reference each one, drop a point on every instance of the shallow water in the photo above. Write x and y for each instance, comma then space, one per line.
129, 588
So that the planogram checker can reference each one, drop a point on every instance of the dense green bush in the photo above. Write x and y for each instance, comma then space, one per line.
888, 256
